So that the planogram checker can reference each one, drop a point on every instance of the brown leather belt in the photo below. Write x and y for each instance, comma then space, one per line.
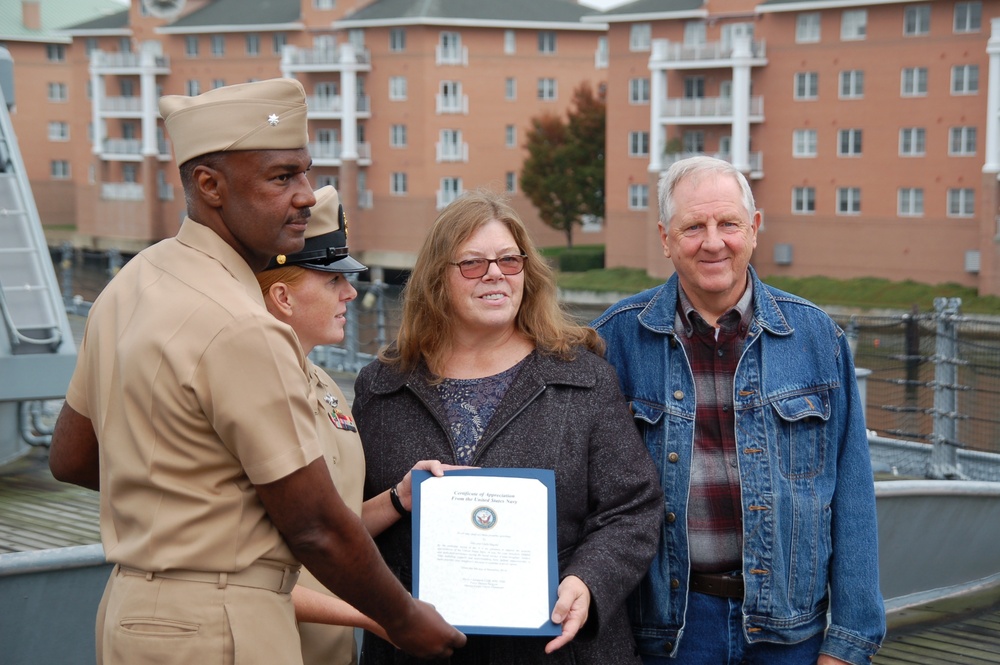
724, 585
273, 577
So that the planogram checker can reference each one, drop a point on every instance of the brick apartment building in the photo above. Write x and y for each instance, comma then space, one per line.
870, 131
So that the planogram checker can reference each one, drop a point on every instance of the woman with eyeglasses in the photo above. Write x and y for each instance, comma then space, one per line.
488, 371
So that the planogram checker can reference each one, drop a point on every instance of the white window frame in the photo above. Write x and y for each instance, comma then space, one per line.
913, 82
58, 131
510, 88
451, 189
695, 33
547, 89
968, 17
852, 84
59, 169
397, 88
510, 182
397, 136
510, 136
192, 87
509, 42
218, 46
638, 91
803, 200
965, 80
853, 25
398, 185
848, 200
805, 143
693, 140
910, 202
807, 28
912, 142
638, 144
638, 197
58, 92
55, 52
853, 138
640, 37
806, 86
547, 41
962, 141
253, 44
917, 20
961, 202
397, 40
278, 42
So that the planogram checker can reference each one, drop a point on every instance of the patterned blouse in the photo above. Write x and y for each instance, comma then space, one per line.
470, 404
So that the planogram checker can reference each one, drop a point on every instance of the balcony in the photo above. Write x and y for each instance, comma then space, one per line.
123, 107
675, 55
122, 191
323, 59
332, 106
328, 153
102, 62
452, 152
706, 110
451, 55
756, 160
451, 104
130, 150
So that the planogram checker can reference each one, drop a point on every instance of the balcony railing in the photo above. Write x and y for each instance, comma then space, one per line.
708, 107
294, 57
122, 191
756, 159
335, 104
451, 55
452, 103
100, 60
121, 105
451, 152
331, 151
676, 52
122, 147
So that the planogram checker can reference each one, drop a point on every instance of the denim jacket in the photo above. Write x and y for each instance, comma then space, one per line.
809, 525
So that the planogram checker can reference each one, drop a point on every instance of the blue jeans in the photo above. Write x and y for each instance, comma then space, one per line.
713, 635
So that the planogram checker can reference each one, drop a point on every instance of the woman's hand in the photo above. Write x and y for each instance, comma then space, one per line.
404, 489
571, 610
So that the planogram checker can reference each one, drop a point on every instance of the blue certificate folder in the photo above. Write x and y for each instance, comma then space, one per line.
483, 513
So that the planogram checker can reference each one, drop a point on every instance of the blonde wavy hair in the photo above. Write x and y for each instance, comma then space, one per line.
428, 326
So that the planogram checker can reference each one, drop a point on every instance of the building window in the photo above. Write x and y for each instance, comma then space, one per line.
912, 142
638, 91
510, 88
90, 45
397, 40
640, 37
849, 142
962, 141
55, 52
59, 168
968, 16
510, 136
914, 82
58, 92
916, 20
961, 203
278, 42
807, 28
638, 197
546, 41
852, 84
449, 49
695, 33
693, 141
509, 42
853, 24
510, 179
803, 200
218, 83
397, 184
58, 131
218, 46
638, 144
397, 88
397, 136
127, 87
191, 46
804, 143
694, 87
965, 79
253, 44
193, 88
546, 89
451, 188
451, 147
910, 202
806, 85
324, 180
848, 200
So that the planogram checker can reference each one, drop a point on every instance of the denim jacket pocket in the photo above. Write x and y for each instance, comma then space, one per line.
801, 426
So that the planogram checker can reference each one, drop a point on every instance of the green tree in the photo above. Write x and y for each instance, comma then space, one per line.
563, 176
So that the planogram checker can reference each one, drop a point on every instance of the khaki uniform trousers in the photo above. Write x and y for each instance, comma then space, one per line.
158, 618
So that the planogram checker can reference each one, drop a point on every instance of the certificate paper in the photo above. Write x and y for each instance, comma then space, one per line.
484, 549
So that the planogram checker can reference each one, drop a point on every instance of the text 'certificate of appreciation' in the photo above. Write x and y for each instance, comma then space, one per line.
484, 549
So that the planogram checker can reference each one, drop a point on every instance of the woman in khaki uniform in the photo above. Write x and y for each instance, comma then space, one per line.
309, 291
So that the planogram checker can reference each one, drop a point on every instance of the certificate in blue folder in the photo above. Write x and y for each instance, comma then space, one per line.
484, 549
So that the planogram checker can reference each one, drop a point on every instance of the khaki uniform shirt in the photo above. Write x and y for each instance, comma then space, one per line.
322, 644
196, 394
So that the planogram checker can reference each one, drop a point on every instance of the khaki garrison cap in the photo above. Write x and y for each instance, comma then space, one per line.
326, 239
263, 115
